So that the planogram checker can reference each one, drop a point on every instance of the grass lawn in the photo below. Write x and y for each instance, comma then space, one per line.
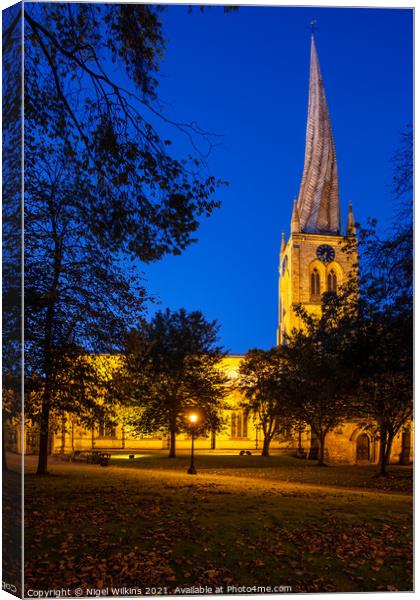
242, 521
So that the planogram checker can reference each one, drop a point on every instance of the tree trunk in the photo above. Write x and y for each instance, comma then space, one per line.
43, 438
3, 449
63, 435
390, 439
213, 440
382, 453
300, 447
313, 453
47, 346
172, 445
321, 449
266, 446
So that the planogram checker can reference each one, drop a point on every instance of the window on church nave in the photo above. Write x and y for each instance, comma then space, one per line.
284, 266
315, 283
239, 425
332, 282
106, 430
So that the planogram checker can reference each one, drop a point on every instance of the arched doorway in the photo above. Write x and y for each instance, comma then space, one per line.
363, 448
405, 447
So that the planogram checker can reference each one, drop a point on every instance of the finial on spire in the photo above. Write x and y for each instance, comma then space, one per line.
283, 243
351, 226
295, 224
312, 26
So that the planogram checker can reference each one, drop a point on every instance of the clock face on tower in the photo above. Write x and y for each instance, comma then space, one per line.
325, 253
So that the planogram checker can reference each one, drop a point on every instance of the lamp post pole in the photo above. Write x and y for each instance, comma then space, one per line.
193, 419
192, 470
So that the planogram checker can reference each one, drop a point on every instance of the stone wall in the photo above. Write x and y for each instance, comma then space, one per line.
296, 263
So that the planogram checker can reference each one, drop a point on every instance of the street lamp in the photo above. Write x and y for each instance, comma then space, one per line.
193, 418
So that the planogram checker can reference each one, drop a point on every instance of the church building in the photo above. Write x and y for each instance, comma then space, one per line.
312, 261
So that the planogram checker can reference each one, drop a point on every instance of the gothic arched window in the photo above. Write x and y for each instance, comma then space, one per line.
284, 266
332, 282
315, 283
106, 429
239, 425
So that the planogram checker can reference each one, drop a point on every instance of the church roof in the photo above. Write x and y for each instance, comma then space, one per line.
318, 203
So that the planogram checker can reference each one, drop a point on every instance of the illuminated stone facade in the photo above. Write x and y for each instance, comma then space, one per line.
303, 277
239, 432
349, 443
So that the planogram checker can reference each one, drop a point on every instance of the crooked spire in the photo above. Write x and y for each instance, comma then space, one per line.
318, 203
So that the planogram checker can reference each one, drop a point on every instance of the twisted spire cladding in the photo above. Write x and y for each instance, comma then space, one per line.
318, 203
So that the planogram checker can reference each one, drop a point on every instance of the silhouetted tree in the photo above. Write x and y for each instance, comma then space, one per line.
387, 258
11, 224
171, 367
261, 382
142, 200
79, 298
381, 343
319, 383
381, 355
101, 183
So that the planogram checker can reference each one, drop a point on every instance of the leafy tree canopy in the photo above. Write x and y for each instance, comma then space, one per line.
319, 382
171, 367
262, 383
101, 184
386, 283
91, 69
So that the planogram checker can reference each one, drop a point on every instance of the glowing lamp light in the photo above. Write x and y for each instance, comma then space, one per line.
193, 418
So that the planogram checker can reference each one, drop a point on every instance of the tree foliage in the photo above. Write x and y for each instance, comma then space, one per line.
387, 259
381, 354
12, 297
101, 185
382, 337
170, 368
319, 382
262, 382
92, 69
79, 296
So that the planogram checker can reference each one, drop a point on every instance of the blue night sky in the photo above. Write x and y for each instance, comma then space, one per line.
245, 75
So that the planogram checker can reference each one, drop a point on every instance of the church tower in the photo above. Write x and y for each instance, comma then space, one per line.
313, 260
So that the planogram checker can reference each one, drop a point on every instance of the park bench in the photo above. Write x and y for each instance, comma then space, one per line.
96, 457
